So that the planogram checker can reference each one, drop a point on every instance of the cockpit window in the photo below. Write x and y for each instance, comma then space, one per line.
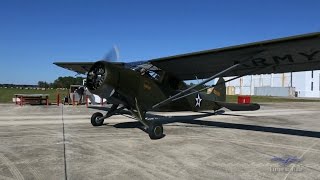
154, 75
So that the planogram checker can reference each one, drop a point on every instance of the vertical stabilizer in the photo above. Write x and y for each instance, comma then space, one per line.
220, 90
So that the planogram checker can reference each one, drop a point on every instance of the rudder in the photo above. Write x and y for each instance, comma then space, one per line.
220, 90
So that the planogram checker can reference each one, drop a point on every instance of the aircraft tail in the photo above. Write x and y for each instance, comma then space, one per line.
220, 90
220, 95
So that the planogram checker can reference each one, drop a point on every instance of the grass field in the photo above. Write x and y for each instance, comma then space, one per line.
6, 94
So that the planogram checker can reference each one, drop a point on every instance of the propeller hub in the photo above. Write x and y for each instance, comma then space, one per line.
97, 80
96, 76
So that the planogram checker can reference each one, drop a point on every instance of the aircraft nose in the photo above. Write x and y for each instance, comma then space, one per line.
96, 76
97, 80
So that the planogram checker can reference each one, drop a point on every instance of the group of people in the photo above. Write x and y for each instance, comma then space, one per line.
80, 91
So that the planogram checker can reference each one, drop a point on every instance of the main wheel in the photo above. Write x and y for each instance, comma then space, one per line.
95, 119
155, 130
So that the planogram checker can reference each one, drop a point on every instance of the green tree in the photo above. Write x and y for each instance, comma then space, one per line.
65, 82
43, 84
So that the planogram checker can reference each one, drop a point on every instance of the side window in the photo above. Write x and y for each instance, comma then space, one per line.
155, 75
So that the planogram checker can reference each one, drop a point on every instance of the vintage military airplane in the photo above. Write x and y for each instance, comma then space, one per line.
158, 84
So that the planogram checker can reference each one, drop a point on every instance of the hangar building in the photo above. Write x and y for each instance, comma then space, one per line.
299, 84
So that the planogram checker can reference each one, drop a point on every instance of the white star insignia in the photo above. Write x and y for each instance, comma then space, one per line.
198, 101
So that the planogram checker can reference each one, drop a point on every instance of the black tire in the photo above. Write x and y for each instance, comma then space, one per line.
94, 119
155, 130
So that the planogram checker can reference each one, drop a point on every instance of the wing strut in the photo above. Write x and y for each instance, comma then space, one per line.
194, 86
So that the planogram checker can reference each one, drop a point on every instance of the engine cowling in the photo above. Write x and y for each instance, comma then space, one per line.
101, 79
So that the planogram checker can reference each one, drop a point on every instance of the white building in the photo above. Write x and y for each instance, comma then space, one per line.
306, 84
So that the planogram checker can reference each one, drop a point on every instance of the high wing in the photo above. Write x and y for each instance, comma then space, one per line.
79, 67
291, 54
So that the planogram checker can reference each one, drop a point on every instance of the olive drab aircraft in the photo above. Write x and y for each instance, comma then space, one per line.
158, 84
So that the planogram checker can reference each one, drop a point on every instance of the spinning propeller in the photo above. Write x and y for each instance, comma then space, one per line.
98, 72
113, 55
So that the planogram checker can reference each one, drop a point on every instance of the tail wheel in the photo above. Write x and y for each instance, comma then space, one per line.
155, 131
96, 119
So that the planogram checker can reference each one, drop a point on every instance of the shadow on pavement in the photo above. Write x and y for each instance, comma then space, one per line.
193, 120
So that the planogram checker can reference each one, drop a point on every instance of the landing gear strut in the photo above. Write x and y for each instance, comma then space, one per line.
98, 118
154, 128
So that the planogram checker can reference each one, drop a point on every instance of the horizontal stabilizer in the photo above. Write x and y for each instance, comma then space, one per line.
239, 107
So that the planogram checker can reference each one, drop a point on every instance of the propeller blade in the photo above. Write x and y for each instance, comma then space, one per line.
113, 55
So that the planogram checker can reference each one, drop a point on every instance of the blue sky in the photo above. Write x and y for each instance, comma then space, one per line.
36, 33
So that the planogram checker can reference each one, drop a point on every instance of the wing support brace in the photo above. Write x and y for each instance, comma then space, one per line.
170, 99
